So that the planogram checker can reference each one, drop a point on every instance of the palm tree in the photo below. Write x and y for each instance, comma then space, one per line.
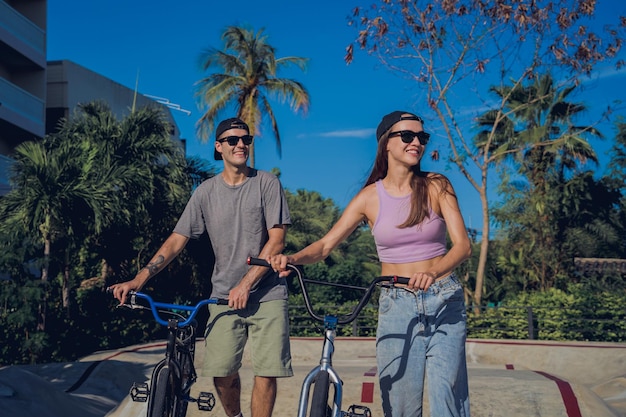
152, 174
546, 116
312, 216
549, 146
53, 181
248, 81
94, 176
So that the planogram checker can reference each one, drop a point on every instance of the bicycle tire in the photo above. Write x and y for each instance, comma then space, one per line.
162, 394
187, 379
181, 408
319, 401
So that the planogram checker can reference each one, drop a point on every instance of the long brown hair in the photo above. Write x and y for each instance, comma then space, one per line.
420, 183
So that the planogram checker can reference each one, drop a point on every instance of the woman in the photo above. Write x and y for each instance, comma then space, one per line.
421, 326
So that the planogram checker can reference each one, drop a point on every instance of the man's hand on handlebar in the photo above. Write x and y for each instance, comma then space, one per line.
120, 291
238, 297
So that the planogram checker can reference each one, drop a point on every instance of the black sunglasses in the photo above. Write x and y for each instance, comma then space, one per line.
234, 140
407, 136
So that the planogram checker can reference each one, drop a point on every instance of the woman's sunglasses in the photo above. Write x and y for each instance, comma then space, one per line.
234, 140
407, 136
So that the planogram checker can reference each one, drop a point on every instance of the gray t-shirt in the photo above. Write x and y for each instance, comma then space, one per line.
237, 219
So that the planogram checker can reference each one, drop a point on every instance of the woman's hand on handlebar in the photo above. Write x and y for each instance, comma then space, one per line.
279, 264
421, 281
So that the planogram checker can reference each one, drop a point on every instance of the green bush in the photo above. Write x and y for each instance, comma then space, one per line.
576, 315
573, 315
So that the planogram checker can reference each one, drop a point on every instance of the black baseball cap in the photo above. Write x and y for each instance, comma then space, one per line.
393, 118
232, 123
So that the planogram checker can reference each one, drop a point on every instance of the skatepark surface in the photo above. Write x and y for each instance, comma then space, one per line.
506, 378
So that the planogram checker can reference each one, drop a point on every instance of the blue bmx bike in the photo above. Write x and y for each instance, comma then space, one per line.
168, 394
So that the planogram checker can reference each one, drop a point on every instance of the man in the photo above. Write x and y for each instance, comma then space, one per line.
245, 213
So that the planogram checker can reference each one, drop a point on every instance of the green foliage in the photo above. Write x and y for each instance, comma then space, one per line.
354, 262
575, 224
551, 212
576, 314
22, 342
302, 325
312, 216
90, 204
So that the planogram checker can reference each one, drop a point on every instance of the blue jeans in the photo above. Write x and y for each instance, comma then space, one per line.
422, 334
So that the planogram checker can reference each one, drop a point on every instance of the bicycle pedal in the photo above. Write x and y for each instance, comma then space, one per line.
206, 401
356, 410
139, 392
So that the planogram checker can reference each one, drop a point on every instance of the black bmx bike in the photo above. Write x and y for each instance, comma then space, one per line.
323, 380
168, 394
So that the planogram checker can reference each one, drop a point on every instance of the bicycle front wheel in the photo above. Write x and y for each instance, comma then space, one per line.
162, 393
188, 377
319, 401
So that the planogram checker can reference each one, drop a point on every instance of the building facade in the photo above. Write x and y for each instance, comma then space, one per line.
36, 94
22, 76
70, 84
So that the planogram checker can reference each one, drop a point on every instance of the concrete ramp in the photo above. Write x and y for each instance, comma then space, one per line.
613, 393
507, 378
78, 389
590, 377
509, 392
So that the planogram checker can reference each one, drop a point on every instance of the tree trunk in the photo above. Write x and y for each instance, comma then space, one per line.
66, 285
104, 271
482, 259
41, 322
251, 156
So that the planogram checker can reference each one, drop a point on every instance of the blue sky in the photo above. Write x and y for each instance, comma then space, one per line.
331, 149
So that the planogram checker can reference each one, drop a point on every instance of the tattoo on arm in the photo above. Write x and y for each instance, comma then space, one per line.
154, 266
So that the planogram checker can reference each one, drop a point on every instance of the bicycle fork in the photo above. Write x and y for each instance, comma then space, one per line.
324, 366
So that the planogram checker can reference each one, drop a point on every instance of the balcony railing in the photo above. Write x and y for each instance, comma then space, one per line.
29, 110
5, 166
22, 28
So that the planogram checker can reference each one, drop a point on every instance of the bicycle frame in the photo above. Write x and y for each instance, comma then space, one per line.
323, 375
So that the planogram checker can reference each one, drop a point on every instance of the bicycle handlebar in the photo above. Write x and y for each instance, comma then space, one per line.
391, 279
156, 305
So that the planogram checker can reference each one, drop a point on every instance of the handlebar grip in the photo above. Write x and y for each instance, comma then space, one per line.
257, 261
400, 280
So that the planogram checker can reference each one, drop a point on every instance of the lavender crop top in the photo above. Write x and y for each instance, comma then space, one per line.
417, 243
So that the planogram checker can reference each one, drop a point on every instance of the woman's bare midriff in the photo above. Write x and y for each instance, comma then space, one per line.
408, 269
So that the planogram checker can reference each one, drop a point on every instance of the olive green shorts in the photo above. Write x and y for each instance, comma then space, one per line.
264, 325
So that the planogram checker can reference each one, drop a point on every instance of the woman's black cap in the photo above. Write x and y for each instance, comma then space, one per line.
393, 118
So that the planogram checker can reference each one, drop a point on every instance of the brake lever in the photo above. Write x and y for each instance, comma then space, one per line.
132, 304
